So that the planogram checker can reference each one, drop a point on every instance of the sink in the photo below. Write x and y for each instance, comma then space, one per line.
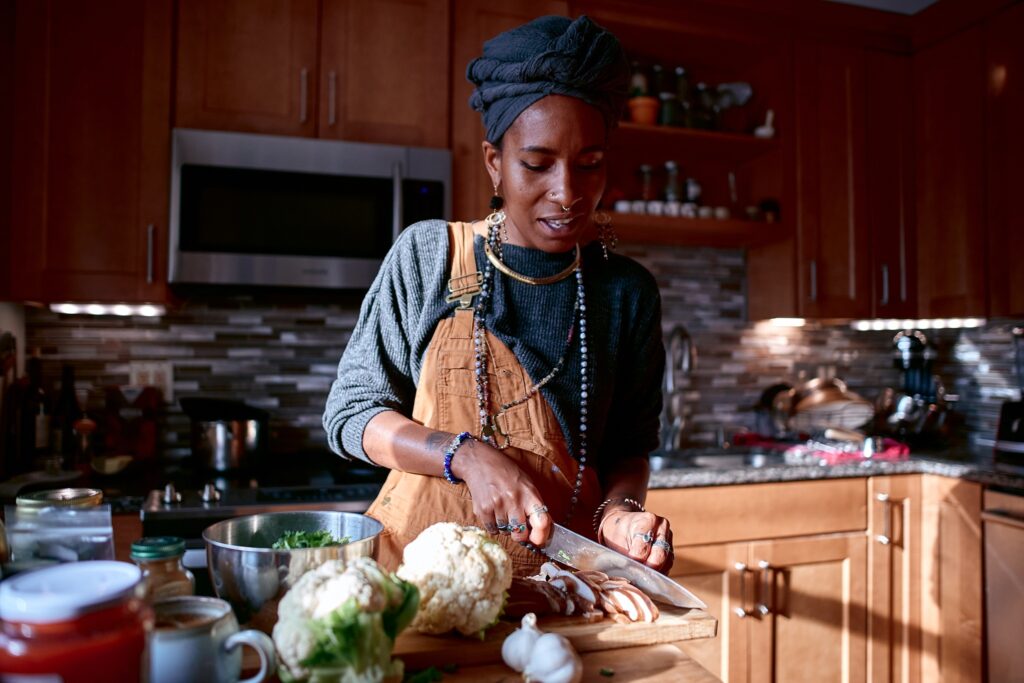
712, 458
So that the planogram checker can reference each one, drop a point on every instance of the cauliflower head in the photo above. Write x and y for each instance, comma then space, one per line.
462, 575
338, 623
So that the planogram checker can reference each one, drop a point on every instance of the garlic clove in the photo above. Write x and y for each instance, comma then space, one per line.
518, 646
554, 660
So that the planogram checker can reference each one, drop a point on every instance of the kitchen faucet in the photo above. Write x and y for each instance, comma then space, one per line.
680, 359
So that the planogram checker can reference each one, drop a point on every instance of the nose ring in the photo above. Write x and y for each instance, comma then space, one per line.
565, 209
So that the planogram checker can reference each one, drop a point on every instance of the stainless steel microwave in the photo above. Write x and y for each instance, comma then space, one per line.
285, 211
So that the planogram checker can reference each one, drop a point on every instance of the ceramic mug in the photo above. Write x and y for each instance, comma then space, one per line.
197, 639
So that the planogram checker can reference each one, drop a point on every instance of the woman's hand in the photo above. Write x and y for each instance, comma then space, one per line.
643, 536
504, 497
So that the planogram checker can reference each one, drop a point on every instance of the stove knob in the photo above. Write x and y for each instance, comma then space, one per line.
210, 494
171, 495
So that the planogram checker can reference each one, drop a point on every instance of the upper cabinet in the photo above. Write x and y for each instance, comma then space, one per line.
1004, 73
949, 117
370, 72
91, 109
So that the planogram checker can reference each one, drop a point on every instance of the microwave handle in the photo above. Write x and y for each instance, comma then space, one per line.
396, 199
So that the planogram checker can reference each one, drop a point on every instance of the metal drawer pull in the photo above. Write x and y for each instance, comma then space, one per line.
150, 229
303, 95
764, 608
885, 538
885, 285
814, 280
332, 96
742, 612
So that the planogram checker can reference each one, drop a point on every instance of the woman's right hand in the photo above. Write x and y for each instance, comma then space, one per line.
503, 494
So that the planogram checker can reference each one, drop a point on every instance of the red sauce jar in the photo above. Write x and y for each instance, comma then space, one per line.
81, 621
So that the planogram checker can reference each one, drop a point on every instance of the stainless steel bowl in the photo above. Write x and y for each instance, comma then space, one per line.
253, 577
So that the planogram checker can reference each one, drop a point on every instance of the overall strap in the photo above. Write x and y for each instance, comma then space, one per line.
466, 280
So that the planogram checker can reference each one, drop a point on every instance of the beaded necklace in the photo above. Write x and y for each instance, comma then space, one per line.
490, 426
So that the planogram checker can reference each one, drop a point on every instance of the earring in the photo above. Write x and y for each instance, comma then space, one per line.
605, 232
497, 217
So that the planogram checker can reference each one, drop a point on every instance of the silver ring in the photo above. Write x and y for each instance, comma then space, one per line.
664, 545
646, 537
540, 509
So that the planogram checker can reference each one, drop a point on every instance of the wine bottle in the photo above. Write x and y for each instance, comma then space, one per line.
65, 414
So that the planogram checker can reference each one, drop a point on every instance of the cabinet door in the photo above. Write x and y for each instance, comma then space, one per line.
712, 574
91, 105
894, 599
247, 65
814, 597
832, 242
476, 21
1005, 77
384, 71
889, 183
949, 102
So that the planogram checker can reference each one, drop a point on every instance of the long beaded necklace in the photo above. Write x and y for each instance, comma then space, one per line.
490, 425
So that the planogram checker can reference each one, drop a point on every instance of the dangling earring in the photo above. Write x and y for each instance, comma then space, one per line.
605, 232
497, 217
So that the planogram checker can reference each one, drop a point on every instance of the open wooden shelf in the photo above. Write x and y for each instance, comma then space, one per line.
699, 232
693, 142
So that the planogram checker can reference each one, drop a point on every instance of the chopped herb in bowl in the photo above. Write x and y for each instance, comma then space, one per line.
290, 540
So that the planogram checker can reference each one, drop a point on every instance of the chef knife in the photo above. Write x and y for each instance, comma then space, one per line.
580, 552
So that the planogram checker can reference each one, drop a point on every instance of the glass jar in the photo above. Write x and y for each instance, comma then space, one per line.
79, 622
163, 575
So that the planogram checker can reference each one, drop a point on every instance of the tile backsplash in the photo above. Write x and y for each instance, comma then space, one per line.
280, 352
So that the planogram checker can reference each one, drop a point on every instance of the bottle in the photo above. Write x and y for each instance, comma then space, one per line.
657, 84
673, 191
647, 183
34, 416
638, 81
65, 414
163, 575
683, 97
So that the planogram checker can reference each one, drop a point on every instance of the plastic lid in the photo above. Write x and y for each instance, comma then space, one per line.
61, 498
158, 547
67, 590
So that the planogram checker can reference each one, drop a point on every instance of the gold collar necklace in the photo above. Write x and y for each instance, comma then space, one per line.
526, 279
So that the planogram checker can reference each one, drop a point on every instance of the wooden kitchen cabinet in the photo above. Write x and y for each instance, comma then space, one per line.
247, 66
949, 118
1004, 78
894, 588
91, 108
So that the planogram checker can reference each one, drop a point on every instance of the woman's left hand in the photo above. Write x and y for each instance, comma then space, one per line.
643, 536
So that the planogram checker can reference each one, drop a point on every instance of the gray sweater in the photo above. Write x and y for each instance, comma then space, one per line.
381, 365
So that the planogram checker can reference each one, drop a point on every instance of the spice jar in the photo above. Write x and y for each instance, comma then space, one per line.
79, 622
163, 575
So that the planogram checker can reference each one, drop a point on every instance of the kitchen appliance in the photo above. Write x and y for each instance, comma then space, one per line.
252, 576
1008, 452
226, 435
580, 552
288, 211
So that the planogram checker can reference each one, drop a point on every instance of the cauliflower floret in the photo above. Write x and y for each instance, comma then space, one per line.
462, 575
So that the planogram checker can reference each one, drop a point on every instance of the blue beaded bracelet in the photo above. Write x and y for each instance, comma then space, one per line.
449, 453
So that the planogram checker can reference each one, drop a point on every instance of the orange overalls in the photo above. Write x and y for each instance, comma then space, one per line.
446, 400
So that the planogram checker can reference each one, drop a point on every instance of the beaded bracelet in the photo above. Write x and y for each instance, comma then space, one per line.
449, 453
600, 509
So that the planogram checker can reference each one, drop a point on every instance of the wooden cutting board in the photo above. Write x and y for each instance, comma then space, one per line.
675, 624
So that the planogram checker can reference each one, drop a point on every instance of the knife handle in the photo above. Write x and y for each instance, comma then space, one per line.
741, 611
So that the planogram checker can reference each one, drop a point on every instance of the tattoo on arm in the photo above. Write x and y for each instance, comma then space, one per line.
437, 441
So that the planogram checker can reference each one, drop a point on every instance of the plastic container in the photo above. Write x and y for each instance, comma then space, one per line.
80, 622
163, 575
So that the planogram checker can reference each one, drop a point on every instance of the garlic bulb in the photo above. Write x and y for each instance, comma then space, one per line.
518, 645
553, 660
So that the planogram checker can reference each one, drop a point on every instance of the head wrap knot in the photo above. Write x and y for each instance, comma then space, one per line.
548, 56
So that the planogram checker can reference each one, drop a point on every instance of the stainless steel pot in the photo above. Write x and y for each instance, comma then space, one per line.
226, 435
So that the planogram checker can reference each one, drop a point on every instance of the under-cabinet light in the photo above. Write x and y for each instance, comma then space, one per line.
123, 310
787, 322
922, 324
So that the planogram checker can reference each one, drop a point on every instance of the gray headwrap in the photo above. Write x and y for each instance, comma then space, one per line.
548, 56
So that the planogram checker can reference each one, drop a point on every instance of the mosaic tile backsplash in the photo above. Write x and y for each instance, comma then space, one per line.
280, 352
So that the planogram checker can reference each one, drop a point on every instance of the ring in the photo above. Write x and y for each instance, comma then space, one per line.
664, 545
517, 528
540, 509
646, 537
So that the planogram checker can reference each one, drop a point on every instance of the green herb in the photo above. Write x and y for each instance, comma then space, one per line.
431, 675
290, 540
605, 671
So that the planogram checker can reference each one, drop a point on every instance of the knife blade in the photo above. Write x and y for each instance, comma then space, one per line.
579, 552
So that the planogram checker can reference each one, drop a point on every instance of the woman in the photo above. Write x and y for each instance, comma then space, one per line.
507, 376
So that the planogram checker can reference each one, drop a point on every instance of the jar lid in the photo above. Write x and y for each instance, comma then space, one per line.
158, 547
61, 498
67, 591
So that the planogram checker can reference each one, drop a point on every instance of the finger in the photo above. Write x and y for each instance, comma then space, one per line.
641, 535
539, 520
661, 548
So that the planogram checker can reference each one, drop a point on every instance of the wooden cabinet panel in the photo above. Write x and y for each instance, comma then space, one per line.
949, 178
475, 22
889, 185
814, 629
248, 65
1005, 111
832, 244
92, 102
384, 71
894, 598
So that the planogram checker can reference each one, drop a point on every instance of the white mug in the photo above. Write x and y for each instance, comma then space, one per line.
197, 639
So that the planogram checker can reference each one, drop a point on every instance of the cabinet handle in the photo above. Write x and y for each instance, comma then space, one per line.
303, 95
885, 285
742, 612
332, 95
814, 280
150, 230
764, 607
885, 538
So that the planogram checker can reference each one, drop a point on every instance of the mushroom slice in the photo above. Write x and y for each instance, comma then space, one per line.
624, 603
645, 607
